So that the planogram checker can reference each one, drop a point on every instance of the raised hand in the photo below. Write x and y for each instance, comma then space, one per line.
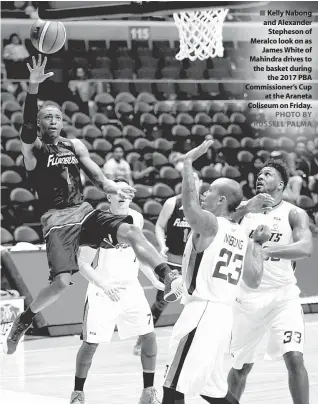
198, 151
126, 192
37, 74
262, 234
259, 203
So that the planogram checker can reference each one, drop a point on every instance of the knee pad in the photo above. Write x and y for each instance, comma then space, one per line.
149, 344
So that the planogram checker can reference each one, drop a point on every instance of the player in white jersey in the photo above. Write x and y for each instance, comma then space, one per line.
218, 254
274, 308
115, 297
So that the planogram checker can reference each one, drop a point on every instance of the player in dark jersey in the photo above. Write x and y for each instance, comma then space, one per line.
53, 164
172, 231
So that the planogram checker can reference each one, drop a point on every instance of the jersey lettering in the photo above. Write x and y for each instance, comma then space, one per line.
232, 268
275, 237
233, 241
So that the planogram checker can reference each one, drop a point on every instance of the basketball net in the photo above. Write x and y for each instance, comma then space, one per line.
200, 33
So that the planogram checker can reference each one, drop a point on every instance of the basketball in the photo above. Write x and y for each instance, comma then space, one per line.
48, 36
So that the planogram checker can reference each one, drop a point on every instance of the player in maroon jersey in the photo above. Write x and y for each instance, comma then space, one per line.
53, 165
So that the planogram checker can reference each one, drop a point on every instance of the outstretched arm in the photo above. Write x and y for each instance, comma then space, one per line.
254, 205
302, 237
96, 175
28, 136
161, 224
201, 221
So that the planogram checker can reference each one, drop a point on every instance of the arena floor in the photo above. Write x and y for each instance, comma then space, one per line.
42, 371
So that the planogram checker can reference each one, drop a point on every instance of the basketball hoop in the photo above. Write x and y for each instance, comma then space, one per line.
200, 33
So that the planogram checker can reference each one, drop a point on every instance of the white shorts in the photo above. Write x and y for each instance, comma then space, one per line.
276, 315
199, 340
131, 314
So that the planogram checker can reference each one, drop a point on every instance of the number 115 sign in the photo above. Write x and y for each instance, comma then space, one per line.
139, 33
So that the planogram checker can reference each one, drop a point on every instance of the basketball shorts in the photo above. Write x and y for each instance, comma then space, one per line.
199, 340
66, 229
131, 314
275, 316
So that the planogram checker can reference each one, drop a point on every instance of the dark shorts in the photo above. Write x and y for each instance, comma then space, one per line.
81, 225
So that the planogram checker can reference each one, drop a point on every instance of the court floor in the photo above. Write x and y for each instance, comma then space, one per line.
42, 371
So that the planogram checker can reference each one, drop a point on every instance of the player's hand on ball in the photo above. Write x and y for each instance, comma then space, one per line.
197, 152
126, 192
37, 74
262, 234
260, 202
113, 293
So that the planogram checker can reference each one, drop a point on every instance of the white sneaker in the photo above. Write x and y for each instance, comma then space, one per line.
77, 397
149, 396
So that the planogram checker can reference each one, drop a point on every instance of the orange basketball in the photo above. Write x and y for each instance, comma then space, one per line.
48, 36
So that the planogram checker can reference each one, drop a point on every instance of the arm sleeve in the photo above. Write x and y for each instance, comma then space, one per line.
29, 128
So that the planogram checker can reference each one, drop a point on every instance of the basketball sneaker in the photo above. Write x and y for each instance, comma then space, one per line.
173, 286
77, 397
13, 336
137, 347
149, 396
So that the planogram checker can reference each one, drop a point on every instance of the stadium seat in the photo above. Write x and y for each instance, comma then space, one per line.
199, 130
13, 148
159, 160
286, 144
125, 143
263, 154
210, 87
142, 87
169, 176
99, 120
6, 237
216, 106
135, 207
161, 192
111, 132
150, 236
8, 132
178, 188
245, 156
218, 131
101, 73
199, 107
21, 97
72, 132
143, 146
124, 110
237, 117
97, 159
148, 123
7, 97
220, 118
141, 108
148, 62
125, 97
69, 108
97, 46
230, 143
101, 146
185, 119
26, 234
166, 120
151, 210
80, 120
143, 192
267, 143
149, 226
91, 132
236, 107
125, 62
104, 102
248, 143
189, 90
5, 120
11, 179
146, 97
162, 107
231, 172
132, 157
146, 73
23, 203
209, 174
93, 195
305, 202
132, 133
170, 73
180, 132
103, 62
166, 89
6, 162
202, 118
234, 130
163, 146
21, 196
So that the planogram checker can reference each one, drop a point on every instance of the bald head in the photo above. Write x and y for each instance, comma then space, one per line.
50, 121
231, 190
49, 109
224, 195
